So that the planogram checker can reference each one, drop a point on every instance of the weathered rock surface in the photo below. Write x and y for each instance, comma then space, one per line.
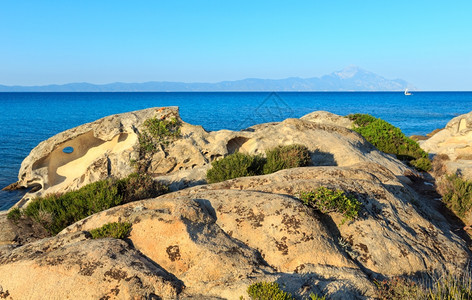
219, 238
218, 242
455, 141
398, 232
324, 117
76, 267
100, 149
107, 146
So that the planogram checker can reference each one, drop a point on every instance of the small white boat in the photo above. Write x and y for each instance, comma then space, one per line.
407, 93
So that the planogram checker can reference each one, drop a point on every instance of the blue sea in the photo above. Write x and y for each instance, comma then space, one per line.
26, 119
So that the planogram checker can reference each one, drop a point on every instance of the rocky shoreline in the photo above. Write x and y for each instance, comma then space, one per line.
211, 241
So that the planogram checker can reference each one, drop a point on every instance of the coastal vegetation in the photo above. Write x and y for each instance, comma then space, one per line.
448, 286
14, 214
457, 194
156, 134
115, 230
158, 131
235, 165
272, 290
329, 200
240, 164
57, 211
267, 291
390, 139
286, 157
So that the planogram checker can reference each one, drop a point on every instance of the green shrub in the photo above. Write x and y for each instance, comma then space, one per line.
327, 200
158, 131
240, 165
162, 130
14, 214
235, 165
390, 139
457, 194
285, 157
56, 212
140, 186
267, 291
422, 164
114, 230
316, 297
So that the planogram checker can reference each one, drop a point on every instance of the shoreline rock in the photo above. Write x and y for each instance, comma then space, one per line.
107, 147
211, 241
455, 142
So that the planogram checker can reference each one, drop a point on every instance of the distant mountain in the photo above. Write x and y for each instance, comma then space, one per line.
349, 79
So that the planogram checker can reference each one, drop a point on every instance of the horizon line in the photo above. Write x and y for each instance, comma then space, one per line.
248, 91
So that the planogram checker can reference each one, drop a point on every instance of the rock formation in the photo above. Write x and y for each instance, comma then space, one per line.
254, 228
213, 241
77, 267
107, 147
455, 141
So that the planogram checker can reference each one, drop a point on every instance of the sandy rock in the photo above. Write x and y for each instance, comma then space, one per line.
107, 147
455, 141
75, 267
324, 117
100, 149
219, 238
218, 242
398, 232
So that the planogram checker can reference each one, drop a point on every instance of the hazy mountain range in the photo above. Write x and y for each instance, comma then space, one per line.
349, 79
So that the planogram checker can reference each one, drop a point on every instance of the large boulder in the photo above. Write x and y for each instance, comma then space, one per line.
99, 149
398, 232
219, 238
109, 146
454, 143
77, 267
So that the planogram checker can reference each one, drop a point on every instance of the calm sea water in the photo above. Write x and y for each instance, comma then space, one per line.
29, 118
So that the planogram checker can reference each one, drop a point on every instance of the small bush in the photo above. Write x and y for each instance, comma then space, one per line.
235, 165
438, 165
63, 210
458, 286
457, 194
56, 212
140, 186
451, 287
390, 139
422, 164
327, 200
158, 131
399, 288
267, 291
113, 230
14, 214
240, 165
285, 157
316, 297
162, 130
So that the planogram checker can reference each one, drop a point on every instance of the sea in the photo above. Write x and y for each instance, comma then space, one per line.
26, 119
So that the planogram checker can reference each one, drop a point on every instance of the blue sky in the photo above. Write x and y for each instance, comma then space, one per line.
428, 43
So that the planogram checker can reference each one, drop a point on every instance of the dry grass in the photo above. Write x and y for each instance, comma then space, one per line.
438, 165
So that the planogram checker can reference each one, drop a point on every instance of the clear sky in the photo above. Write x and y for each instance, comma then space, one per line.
428, 43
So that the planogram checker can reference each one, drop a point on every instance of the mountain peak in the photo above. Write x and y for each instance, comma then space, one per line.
348, 72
